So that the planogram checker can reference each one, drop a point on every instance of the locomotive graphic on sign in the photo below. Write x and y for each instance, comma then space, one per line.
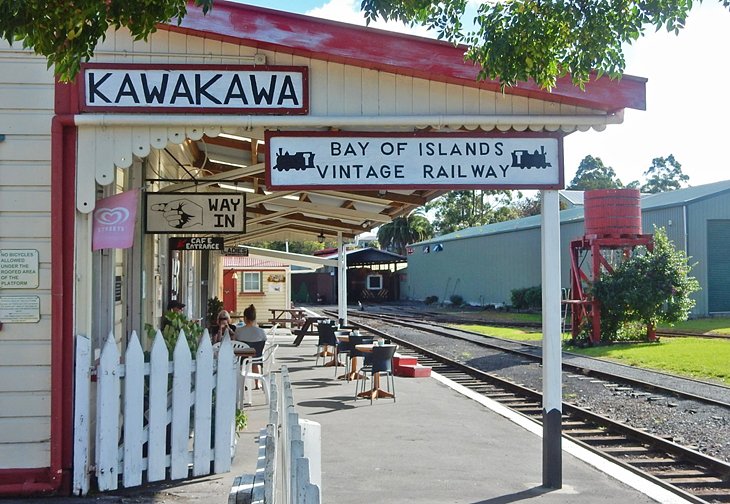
296, 161
524, 159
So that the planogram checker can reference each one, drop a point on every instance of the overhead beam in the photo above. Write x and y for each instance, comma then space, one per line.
331, 211
291, 258
227, 176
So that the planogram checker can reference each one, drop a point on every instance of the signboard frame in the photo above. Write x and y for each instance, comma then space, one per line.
160, 197
168, 69
494, 136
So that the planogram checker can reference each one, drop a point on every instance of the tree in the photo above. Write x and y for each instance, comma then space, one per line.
401, 231
462, 209
512, 41
593, 174
665, 174
66, 33
540, 40
650, 287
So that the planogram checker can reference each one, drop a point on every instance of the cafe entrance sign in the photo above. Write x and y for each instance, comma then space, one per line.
365, 161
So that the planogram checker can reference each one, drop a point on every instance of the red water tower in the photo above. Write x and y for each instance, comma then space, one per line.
612, 231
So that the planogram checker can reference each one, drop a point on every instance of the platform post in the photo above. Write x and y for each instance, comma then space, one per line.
341, 280
552, 470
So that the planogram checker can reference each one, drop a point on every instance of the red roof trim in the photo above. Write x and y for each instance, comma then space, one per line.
387, 51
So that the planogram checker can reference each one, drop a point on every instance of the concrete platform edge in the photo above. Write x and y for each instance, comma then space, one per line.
617, 472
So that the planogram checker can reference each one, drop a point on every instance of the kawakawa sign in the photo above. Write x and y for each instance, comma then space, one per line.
369, 161
181, 88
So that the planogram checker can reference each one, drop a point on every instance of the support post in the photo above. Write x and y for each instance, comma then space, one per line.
552, 471
341, 280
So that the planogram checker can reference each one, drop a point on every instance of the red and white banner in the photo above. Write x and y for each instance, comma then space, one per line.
114, 221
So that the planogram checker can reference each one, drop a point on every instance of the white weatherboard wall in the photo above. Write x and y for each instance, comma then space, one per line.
26, 109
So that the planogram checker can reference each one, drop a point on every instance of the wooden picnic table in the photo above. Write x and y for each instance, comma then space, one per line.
307, 329
283, 316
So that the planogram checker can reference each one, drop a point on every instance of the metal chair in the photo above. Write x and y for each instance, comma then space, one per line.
381, 362
359, 339
327, 338
342, 348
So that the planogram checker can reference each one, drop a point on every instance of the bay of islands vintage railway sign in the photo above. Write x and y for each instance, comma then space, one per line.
355, 160
195, 88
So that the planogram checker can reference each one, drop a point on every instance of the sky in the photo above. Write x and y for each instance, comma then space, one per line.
688, 107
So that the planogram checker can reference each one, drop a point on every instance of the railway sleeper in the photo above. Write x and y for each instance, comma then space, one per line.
627, 450
704, 481
710, 495
650, 461
669, 472
599, 440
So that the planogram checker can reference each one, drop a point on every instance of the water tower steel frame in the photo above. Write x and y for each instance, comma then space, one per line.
612, 222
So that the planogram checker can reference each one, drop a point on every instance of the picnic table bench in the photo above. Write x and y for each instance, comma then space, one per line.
292, 316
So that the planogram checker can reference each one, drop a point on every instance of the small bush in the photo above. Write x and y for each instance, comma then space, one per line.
527, 297
431, 300
456, 300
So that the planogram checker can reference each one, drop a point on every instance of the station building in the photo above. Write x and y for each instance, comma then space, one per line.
67, 149
484, 263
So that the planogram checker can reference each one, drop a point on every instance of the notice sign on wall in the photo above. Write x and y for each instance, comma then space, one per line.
296, 160
18, 269
195, 88
20, 309
195, 213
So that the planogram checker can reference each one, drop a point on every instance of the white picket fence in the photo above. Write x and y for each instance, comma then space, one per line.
146, 430
289, 463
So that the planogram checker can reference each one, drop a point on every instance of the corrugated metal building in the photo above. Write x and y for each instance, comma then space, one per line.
483, 264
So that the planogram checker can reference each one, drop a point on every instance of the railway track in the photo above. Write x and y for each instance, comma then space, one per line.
533, 352
688, 473
456, 319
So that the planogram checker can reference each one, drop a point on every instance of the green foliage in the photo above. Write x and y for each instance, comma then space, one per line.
647, 288
66, 33
540, 40
431, 300
527, 297
457, 210
175, 323
215, 305
307, 247
665, 174
241, 420
401, 231
456, 300
593, 174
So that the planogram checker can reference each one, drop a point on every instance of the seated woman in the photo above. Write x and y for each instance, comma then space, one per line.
224, 327
251, 334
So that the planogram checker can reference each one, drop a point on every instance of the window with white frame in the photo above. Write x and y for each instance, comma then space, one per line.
250, 281
375, 282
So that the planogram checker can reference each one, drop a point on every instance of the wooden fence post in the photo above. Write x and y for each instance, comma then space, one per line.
107, 413
82, 407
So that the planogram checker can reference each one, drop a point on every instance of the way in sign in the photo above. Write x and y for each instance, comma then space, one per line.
458, 171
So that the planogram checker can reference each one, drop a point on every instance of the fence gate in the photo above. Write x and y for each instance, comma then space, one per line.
155, 418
